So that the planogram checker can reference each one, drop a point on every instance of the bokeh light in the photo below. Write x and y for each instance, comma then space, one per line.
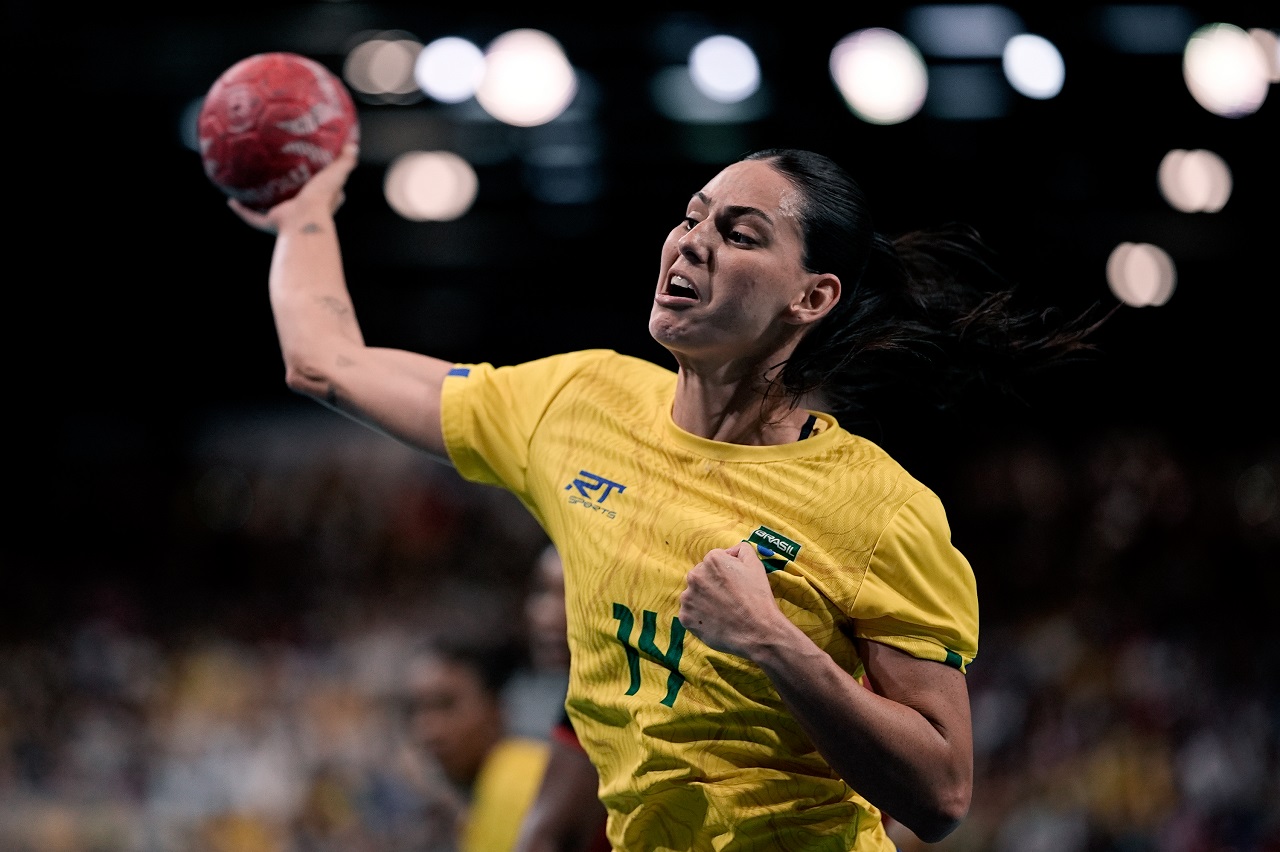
1194, 181
1141, 274
1269, 44
724, 68
430, 186
880, 74
379, 68
450, 69
528, 80
1034, 66
1226, 70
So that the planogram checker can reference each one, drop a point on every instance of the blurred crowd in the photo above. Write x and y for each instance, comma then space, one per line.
1126, 695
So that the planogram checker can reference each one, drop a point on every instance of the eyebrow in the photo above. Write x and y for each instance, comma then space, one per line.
736, 209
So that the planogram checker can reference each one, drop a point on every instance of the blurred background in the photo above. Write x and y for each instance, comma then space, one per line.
210, 584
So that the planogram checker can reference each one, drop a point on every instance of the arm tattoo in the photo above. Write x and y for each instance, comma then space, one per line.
311, 228
338, 306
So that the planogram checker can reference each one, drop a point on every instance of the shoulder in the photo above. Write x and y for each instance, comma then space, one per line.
611, 361
610, 376
873, 466
878, 487
584, 362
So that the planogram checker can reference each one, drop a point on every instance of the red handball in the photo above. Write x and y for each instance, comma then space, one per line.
269, 123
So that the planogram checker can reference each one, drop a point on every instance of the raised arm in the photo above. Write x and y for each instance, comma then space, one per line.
393, 391
905, 743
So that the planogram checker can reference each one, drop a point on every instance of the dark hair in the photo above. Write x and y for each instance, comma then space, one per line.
494, 661
927, 307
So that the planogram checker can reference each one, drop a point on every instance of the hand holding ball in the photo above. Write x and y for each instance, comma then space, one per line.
269, 123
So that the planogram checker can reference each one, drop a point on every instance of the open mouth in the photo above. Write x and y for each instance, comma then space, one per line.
678, 286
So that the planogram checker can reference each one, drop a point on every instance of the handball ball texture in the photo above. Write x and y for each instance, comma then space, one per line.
269, 123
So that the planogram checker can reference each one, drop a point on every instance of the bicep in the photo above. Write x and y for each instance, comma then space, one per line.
936, 691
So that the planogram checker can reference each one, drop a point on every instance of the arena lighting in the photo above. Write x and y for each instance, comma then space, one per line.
880, 75
1196, 181
1033, 66
1141, 274
724, 68
1226, 70
528, 80
430, 186
379, 68
1270, 45
450, 69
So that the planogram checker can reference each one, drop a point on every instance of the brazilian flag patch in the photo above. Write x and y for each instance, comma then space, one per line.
775, 549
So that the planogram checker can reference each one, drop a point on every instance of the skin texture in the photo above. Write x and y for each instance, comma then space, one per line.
906, 742
739, 248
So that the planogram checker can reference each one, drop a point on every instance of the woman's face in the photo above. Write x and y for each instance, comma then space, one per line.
731, 271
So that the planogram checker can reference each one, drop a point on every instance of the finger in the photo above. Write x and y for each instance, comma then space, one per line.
250, 216
347, 158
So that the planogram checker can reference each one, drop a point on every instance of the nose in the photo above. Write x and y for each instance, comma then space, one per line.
693, 244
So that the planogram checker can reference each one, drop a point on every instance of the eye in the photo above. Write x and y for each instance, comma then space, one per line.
689, 222
736, 236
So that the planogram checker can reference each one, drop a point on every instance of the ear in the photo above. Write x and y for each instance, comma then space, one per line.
820, 295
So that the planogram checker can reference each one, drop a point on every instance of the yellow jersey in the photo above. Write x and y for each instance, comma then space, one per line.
694, 747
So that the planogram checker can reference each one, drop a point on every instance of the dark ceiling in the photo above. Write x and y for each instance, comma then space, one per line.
142, 300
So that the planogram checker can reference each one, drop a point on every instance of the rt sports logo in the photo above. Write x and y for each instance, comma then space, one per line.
591, 490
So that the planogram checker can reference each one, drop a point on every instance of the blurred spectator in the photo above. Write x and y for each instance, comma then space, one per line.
535, 694
243, 690
567, 814
455, 694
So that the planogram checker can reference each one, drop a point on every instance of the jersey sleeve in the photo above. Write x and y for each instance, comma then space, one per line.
490, 414
919, 594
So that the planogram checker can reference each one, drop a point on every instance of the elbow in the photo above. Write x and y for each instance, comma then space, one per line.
944, 814
306, 379
936, 830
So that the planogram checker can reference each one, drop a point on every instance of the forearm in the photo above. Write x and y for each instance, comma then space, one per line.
905, 763
314, 316
394, 391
